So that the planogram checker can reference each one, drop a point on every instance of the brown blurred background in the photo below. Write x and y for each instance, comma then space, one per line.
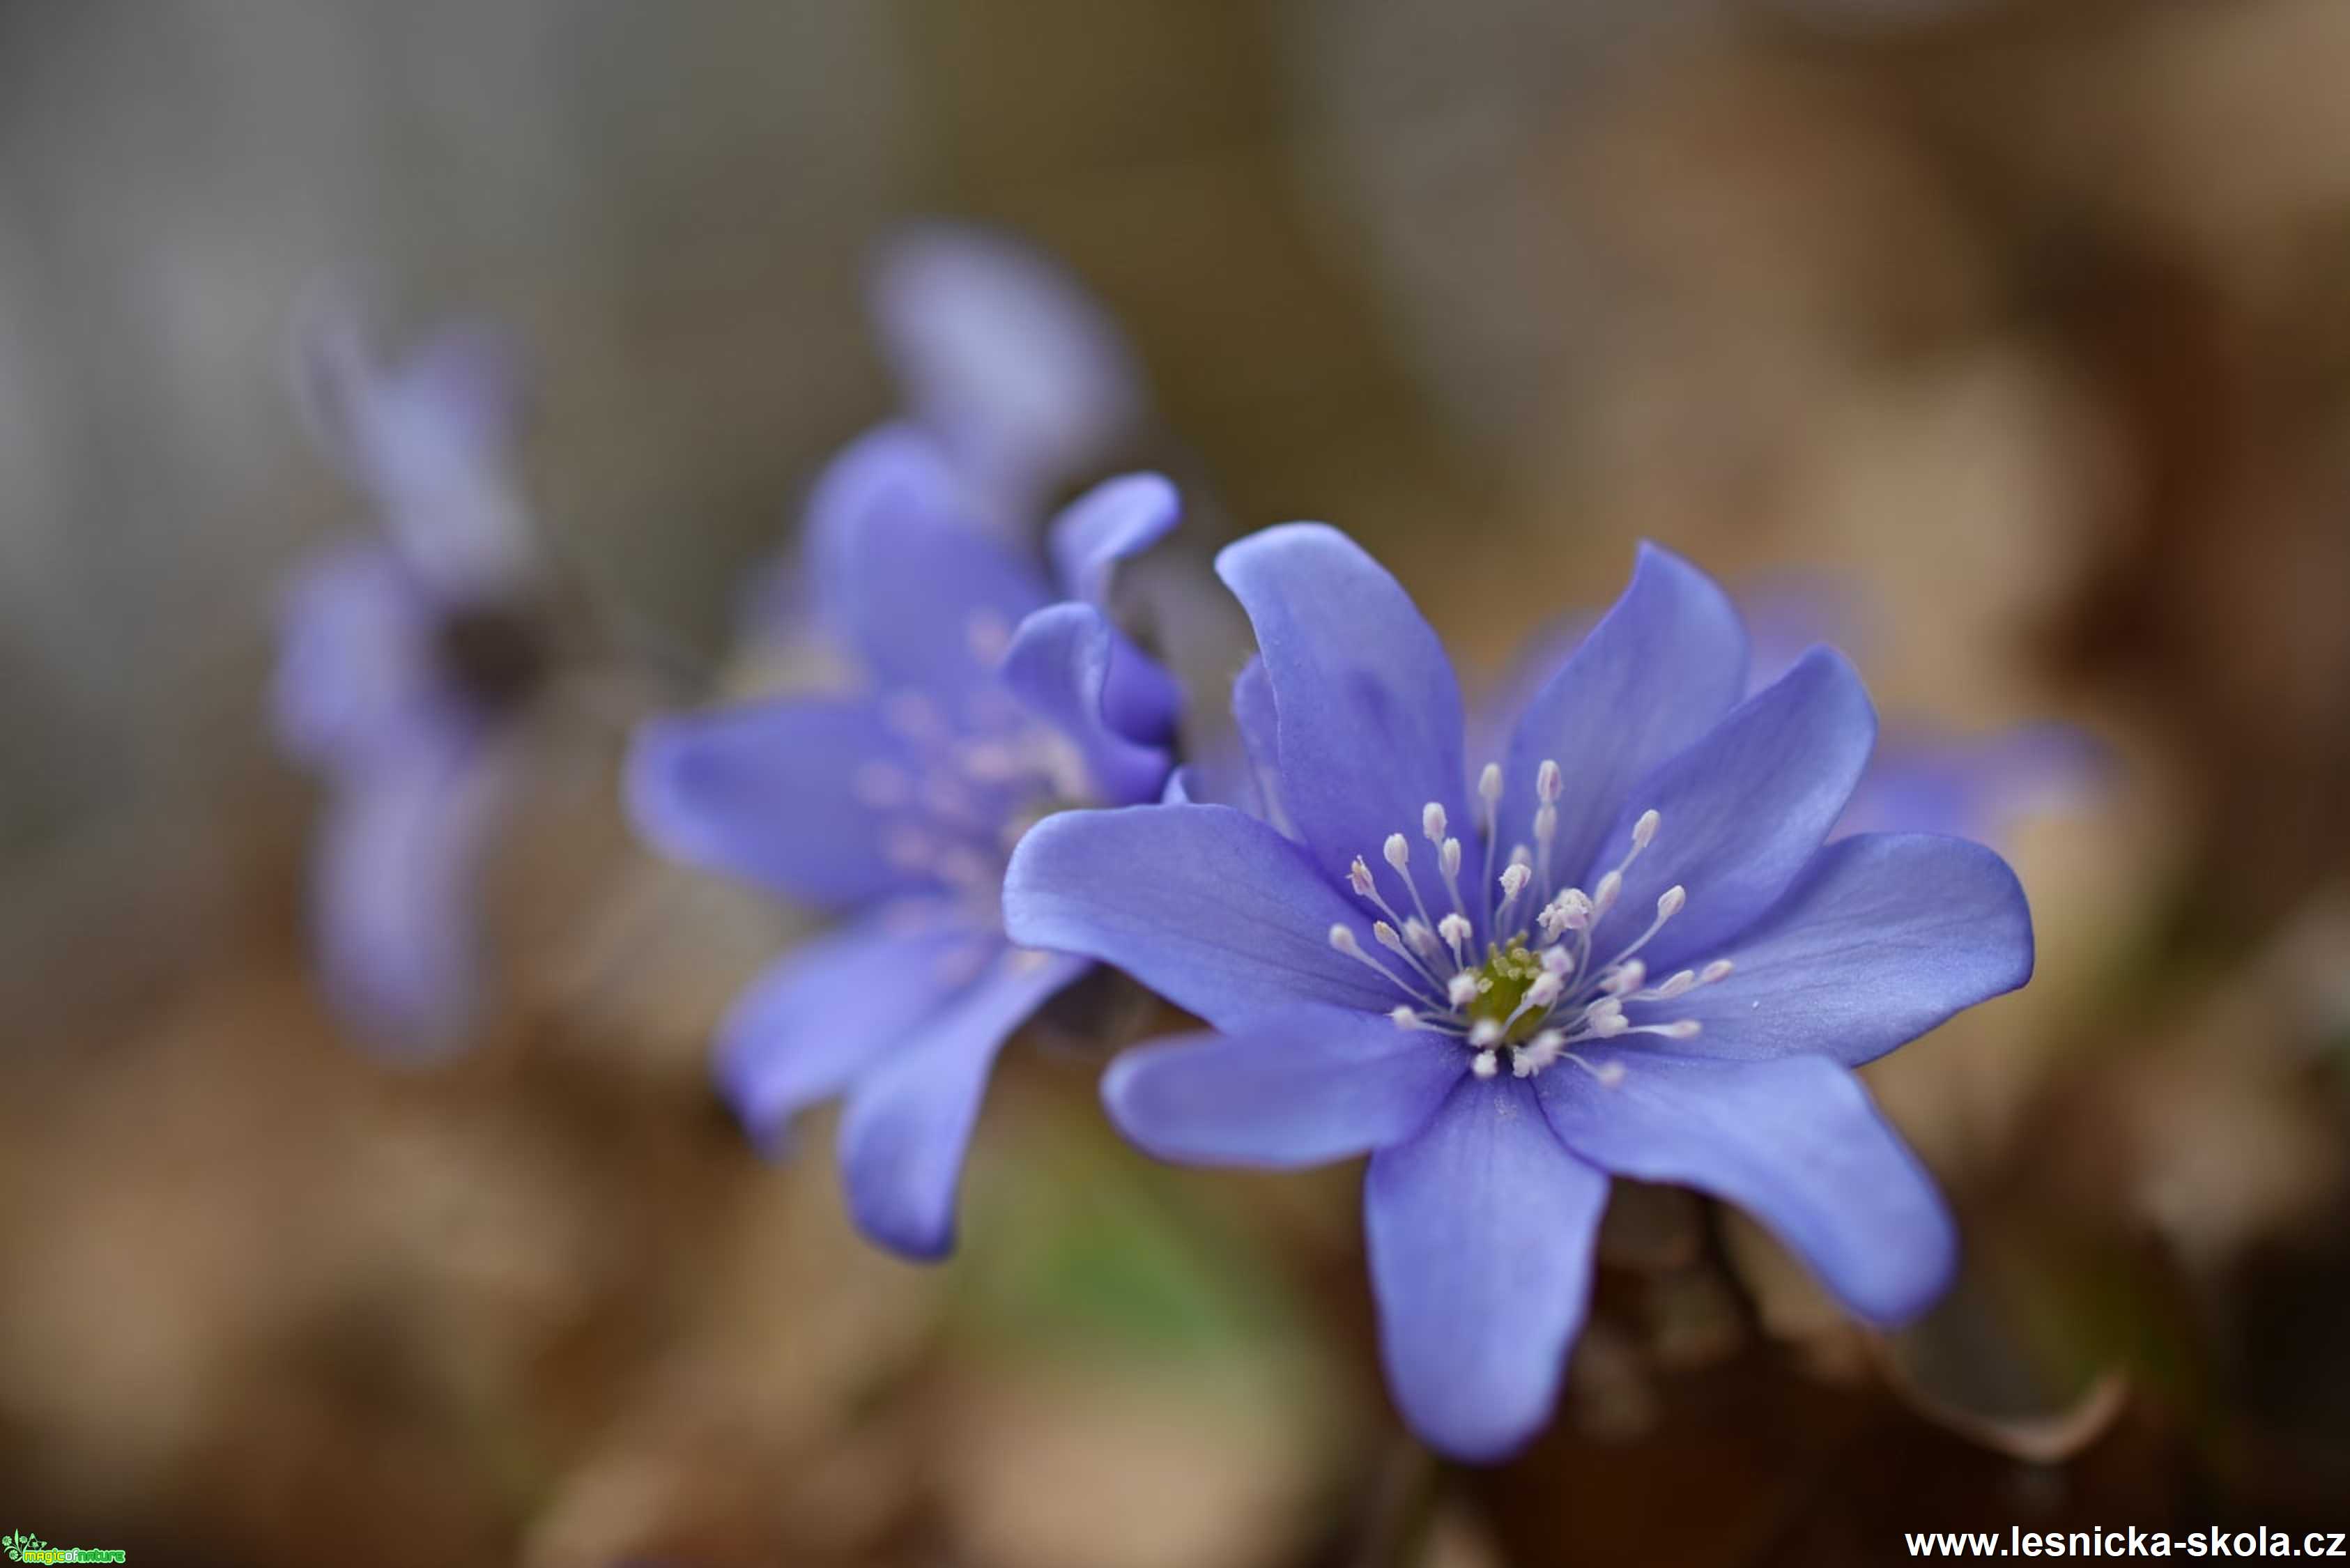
2031, 321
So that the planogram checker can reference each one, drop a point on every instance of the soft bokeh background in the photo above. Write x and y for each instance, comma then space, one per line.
2030, 323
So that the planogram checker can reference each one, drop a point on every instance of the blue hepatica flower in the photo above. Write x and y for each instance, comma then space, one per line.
1622, 947
404, 658
989, 703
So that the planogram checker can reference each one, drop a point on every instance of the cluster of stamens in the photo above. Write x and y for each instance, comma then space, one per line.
967, 786
1537, 990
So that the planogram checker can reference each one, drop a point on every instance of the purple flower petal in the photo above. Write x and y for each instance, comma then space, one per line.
1021, 377
1258, 721
355, 665
1111, 523
1789, 615
1882, 938
1208, 907
1659, 671
396, 883
828, 1009
1795, 1141
1241, 769
927, 598
1370, 723
1481, 1232
1115, 521
431, 437
909, 1121
1741, 812
778, 793
1493, 716
1300, 1087
1059, 666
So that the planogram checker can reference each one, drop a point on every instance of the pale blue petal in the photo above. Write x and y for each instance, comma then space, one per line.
356, 661
1741, 812
1369, 712
1481, 1232
396, 884
1493, 716
1208, 907
1115, 521
1258, 723
1058, 666
1299, 1087
772, 792
1019, 374
1659, 671
909, 1115
1882, 938
908, 574
432, 437
828, 1009
1794, 1141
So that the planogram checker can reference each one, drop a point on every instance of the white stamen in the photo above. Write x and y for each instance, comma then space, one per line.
1644, 832
1431, 821
1715, 973
1462, 989
1558, 960
1456, 932
1489, 784
1671, 902
1423, 940
1358, 878
1389, 939
1448, 858
1624, 978
1604, 1025
1538, 1053
1602, 897
1486, 1033
1484, 1065
1679, 985
1680, 1029
1570, 911
1398, 851
1344, 941
1548, 784
1514, 877
1545, 989
1404, 1017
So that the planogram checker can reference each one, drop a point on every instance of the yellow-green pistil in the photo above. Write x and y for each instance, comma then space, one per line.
1503, 981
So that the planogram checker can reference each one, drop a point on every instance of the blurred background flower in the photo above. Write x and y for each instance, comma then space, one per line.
2023, 325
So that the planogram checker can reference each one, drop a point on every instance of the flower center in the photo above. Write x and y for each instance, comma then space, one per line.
966, 786
1502, 984
1540, 989
496, 654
